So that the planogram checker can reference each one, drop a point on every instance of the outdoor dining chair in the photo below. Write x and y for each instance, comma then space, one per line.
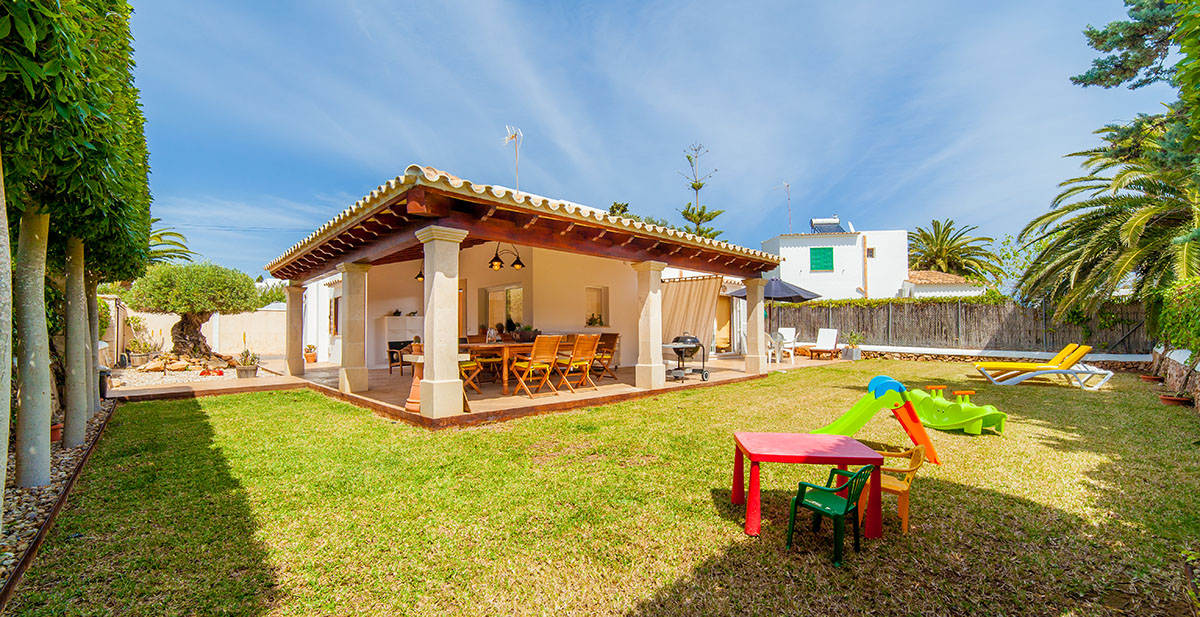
583, 352
606, 352
539, 363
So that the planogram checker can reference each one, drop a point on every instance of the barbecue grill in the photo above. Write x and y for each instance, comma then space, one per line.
685, 347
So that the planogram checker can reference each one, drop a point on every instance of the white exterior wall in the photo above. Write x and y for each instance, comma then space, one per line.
885, 272
560, 302
316, 318
888, 269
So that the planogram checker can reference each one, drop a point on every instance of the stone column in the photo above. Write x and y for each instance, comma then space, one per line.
293, 346
352, 377
650, 372
441, 386
756, 328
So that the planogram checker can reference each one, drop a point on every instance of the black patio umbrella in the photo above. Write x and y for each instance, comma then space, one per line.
777, 290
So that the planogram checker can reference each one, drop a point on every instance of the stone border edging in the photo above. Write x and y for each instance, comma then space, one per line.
14, 579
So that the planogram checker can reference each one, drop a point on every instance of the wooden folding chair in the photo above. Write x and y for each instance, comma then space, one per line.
541, 360
606, 352
583, 352
469, 370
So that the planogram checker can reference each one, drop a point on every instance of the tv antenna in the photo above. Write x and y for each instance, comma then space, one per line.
515, 136
787, 188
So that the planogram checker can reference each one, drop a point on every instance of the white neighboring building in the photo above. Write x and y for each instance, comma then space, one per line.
930, 284
840, 263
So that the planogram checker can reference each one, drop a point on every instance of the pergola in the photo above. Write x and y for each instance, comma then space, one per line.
429, 214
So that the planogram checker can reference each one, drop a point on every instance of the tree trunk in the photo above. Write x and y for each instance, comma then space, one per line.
93, 307
78, 400
186, 336
33, 351
5, 335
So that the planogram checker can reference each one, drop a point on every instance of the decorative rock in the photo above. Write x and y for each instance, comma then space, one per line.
153, 365
178, 365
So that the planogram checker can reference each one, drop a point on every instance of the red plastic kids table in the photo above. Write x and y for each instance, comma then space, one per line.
836, 450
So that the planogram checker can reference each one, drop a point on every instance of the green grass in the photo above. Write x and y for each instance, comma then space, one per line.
289, 503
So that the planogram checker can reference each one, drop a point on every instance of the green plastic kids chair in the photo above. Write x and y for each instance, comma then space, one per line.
825, 501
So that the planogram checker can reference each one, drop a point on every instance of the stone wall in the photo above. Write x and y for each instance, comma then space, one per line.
1174, 373
923, 357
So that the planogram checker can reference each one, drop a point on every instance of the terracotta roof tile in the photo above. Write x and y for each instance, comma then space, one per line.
415, 175
933, 277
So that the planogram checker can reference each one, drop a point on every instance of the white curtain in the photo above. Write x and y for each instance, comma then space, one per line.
690, 305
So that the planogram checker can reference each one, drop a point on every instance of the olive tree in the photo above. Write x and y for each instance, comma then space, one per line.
194, 292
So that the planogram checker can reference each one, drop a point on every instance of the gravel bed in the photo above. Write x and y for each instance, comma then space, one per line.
26, 509
135, 378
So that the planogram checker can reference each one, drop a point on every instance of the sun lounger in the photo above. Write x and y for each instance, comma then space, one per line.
826, 343
1071, 368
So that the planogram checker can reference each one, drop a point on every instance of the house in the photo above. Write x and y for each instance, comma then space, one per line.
931, 283
429, 254
839, 262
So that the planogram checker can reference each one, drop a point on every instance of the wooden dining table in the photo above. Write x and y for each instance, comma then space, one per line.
508, 351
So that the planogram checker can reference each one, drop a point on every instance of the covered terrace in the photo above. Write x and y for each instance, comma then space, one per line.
416, 241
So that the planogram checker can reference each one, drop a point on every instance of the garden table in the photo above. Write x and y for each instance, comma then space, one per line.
810, 449
507, 353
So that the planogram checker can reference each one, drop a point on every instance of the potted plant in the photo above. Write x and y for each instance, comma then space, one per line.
1151, 378
143, 347
310, 353
1180, 398
853, 340
595, 320
526, 334
247, 364
56, 432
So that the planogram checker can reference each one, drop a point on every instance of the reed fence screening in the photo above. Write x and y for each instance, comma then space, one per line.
1117, 328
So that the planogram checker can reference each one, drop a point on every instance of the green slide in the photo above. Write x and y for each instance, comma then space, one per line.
861, 413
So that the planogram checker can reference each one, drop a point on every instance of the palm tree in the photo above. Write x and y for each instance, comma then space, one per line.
1117, 234
166, 244
945, 247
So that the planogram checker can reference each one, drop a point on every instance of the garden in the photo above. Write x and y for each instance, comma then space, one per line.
289, 503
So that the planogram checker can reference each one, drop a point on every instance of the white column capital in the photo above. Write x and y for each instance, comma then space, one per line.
438, 232
649, 266
353, 266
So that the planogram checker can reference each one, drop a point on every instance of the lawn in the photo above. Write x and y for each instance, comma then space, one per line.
289, 503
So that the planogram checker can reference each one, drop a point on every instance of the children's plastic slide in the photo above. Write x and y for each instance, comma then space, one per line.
883, 392
937, 412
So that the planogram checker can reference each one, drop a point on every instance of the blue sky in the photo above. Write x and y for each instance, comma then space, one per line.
266, 118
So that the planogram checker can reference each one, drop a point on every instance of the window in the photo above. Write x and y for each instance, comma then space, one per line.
505, 305
870, 253
820, 259
596, 304
334, 310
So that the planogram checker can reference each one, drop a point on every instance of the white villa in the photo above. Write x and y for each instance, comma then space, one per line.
838, 262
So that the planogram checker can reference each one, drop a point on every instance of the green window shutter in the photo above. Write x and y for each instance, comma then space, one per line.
820, 259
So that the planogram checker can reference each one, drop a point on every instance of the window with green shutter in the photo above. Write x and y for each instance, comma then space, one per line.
820, 259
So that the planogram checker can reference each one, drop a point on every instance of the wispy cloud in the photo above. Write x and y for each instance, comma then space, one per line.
888, 114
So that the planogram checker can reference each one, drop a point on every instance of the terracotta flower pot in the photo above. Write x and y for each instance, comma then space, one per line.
1178, 401
1151, 378
56, 432
310, 356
